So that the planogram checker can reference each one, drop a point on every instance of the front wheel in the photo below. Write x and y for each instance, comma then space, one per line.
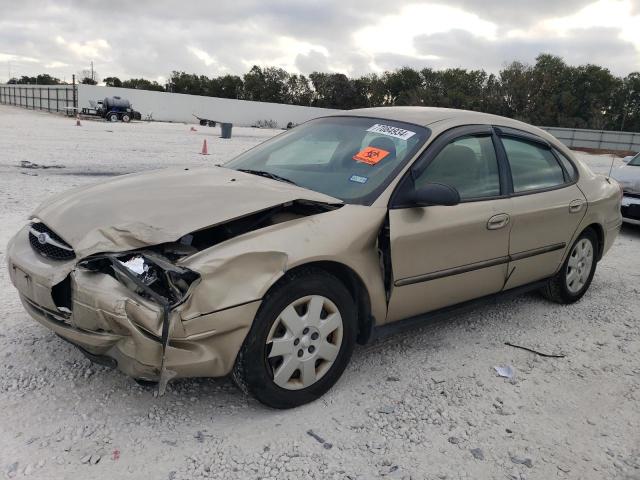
574, 278
300, 342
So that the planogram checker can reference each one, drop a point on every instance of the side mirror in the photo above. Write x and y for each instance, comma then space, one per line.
434, 194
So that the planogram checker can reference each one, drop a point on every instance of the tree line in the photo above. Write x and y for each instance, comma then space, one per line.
548, 93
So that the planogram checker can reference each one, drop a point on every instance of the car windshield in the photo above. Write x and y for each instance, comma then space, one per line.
350, 158
635, 161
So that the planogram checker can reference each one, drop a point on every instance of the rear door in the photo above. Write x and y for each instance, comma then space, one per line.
443, 255
546, 206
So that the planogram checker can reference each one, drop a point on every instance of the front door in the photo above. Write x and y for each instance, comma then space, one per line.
443, 255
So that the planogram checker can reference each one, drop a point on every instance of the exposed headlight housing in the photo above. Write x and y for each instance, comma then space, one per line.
146, 273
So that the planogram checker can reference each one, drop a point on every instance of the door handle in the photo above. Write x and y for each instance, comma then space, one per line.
498, 221
575, 206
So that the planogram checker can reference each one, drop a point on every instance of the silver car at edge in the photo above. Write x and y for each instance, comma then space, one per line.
629, 178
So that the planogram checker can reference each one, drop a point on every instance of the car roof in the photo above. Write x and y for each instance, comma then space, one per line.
428, 116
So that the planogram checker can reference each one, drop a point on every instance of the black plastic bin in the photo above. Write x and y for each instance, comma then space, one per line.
226, 130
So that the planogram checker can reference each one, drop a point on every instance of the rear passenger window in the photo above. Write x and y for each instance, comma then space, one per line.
469, 165
568, 166
533, 167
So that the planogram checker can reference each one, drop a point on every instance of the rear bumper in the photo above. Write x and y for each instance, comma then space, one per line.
106, 319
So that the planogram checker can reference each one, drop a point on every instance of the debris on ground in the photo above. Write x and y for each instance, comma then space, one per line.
506, 371
33, 165
527, 462
477, 453
321, 440
200, 436
534, 351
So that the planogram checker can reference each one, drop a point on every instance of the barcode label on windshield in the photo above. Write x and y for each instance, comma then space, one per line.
396, 132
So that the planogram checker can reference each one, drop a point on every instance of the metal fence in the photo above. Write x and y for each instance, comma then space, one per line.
49, 98
597, 139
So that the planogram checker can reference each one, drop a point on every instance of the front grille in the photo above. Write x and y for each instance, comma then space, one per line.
47, 243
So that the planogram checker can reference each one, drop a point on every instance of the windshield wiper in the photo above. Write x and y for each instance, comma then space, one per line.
263, 173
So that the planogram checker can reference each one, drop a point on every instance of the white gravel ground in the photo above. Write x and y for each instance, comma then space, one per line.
423, 405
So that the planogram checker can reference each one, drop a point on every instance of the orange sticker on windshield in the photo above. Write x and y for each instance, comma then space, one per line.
370, 155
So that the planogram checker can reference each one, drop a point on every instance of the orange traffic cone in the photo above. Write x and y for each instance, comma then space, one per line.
78, 122
193, 129
204, 151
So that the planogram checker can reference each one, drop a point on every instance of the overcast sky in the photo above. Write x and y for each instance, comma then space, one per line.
149, 39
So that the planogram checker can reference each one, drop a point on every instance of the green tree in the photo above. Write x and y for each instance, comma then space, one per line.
113, 82
142, 84
515, 85
266, 85
547, 93
625, 114
40, 79
334, 90
403, 87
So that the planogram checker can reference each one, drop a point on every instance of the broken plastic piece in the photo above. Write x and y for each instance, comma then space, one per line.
506, 372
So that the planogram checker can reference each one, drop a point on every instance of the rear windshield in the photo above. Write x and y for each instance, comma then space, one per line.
350, 158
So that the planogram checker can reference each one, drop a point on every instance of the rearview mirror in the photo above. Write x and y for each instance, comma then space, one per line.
435, 194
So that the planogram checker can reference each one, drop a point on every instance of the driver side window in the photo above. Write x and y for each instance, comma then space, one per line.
469, 165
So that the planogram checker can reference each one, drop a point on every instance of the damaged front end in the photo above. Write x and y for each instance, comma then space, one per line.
159, 306
153, 277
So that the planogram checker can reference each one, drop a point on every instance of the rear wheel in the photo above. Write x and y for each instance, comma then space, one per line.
112, 117
126, 118
574, 278
300, 342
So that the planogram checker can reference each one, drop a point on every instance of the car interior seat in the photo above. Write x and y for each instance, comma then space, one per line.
457, 166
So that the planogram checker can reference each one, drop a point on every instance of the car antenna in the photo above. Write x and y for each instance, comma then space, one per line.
613, 159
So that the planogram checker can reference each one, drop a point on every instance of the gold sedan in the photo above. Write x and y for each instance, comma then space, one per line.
345, 228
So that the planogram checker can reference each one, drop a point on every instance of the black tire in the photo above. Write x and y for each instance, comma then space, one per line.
112, 117
252, 372
126, 118
557, 289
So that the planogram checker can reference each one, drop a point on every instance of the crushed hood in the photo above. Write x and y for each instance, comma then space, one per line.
139, 210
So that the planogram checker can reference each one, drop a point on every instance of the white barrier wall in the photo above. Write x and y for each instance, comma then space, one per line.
177, 107
596, 139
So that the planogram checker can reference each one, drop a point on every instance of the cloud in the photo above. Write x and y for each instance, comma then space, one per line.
8, 57
597, 46
313, 61
202, 55
151, 38
87, 50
